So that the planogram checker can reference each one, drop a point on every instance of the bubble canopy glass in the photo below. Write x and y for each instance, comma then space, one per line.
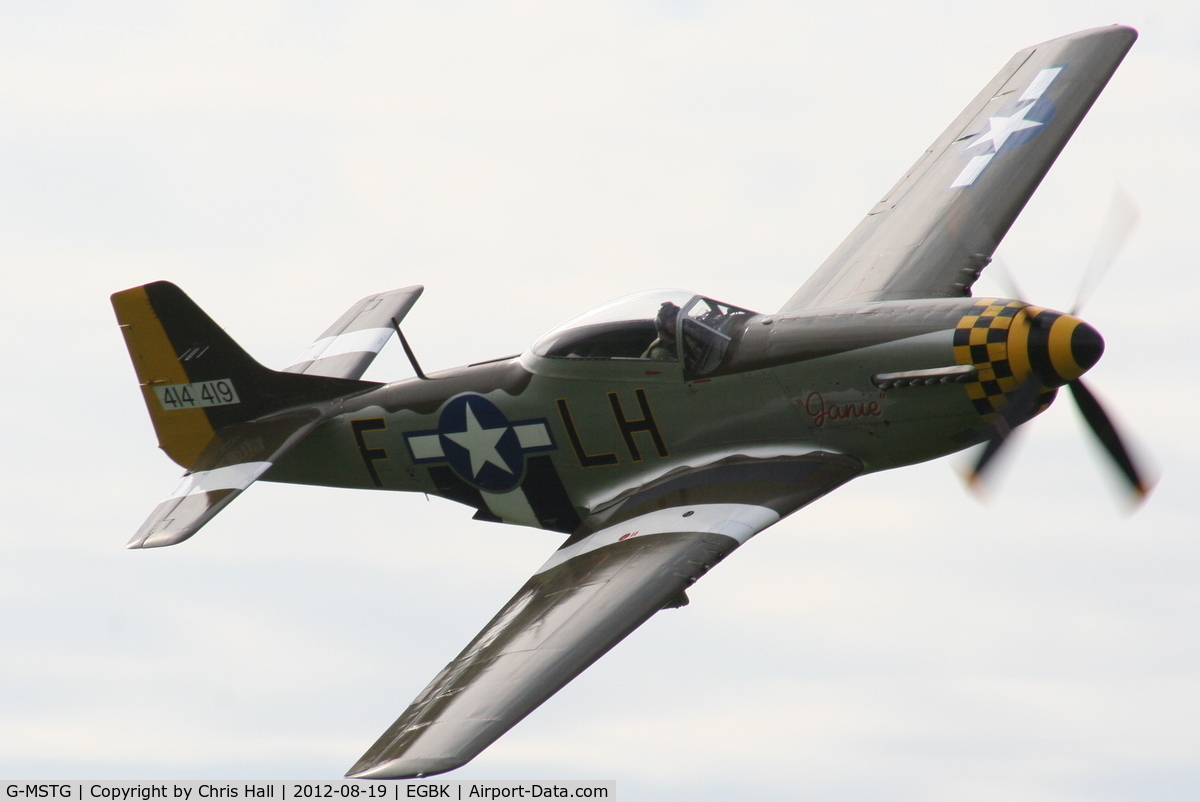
625, 329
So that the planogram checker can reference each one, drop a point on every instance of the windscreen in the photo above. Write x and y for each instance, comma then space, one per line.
707, 325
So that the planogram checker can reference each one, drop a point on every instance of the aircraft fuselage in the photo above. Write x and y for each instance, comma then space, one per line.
550, 439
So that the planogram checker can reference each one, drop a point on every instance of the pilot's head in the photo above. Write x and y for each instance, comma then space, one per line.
666, 320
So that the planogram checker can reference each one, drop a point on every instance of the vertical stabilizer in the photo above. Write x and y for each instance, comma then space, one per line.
195, 379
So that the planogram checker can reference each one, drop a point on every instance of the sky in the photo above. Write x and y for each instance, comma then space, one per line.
525, 161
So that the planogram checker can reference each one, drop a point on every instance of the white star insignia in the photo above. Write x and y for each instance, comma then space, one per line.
1001, 128
480, 443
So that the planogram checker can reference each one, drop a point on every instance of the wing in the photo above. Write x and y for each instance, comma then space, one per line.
626, 562
935, 231
347, 347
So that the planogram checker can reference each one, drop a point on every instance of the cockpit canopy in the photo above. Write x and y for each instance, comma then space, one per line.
648, 326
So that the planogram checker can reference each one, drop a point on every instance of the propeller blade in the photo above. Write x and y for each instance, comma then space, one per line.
1122, 218
1106, 433
1004, 277
1019, 409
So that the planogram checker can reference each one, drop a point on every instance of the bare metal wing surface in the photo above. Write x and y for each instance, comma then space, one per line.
631, 559
935, 231
348, 347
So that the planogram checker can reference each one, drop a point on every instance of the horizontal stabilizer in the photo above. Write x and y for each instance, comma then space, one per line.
348, 347
237, 456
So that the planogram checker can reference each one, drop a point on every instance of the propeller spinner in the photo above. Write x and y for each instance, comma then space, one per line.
1047, 350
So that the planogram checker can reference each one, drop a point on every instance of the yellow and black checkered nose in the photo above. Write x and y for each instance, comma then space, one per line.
1006, 341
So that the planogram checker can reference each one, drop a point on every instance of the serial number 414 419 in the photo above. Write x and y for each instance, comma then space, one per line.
215, 393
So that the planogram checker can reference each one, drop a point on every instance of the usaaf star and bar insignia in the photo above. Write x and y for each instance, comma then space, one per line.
480, 444
478, 457
1014, 125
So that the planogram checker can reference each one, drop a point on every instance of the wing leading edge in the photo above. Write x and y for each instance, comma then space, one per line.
624, 564
935, 231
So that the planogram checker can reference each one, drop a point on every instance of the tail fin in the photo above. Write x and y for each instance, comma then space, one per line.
195, 379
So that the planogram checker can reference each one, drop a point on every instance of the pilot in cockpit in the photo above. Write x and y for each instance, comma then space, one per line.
665, 323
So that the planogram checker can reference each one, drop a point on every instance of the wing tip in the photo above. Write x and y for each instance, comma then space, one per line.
167, 537
405, 768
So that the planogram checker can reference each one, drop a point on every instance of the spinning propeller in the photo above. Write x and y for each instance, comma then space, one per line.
1061, 348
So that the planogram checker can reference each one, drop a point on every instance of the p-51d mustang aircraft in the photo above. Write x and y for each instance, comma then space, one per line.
661, 431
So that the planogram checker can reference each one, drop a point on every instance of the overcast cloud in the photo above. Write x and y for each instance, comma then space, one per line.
525, 161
